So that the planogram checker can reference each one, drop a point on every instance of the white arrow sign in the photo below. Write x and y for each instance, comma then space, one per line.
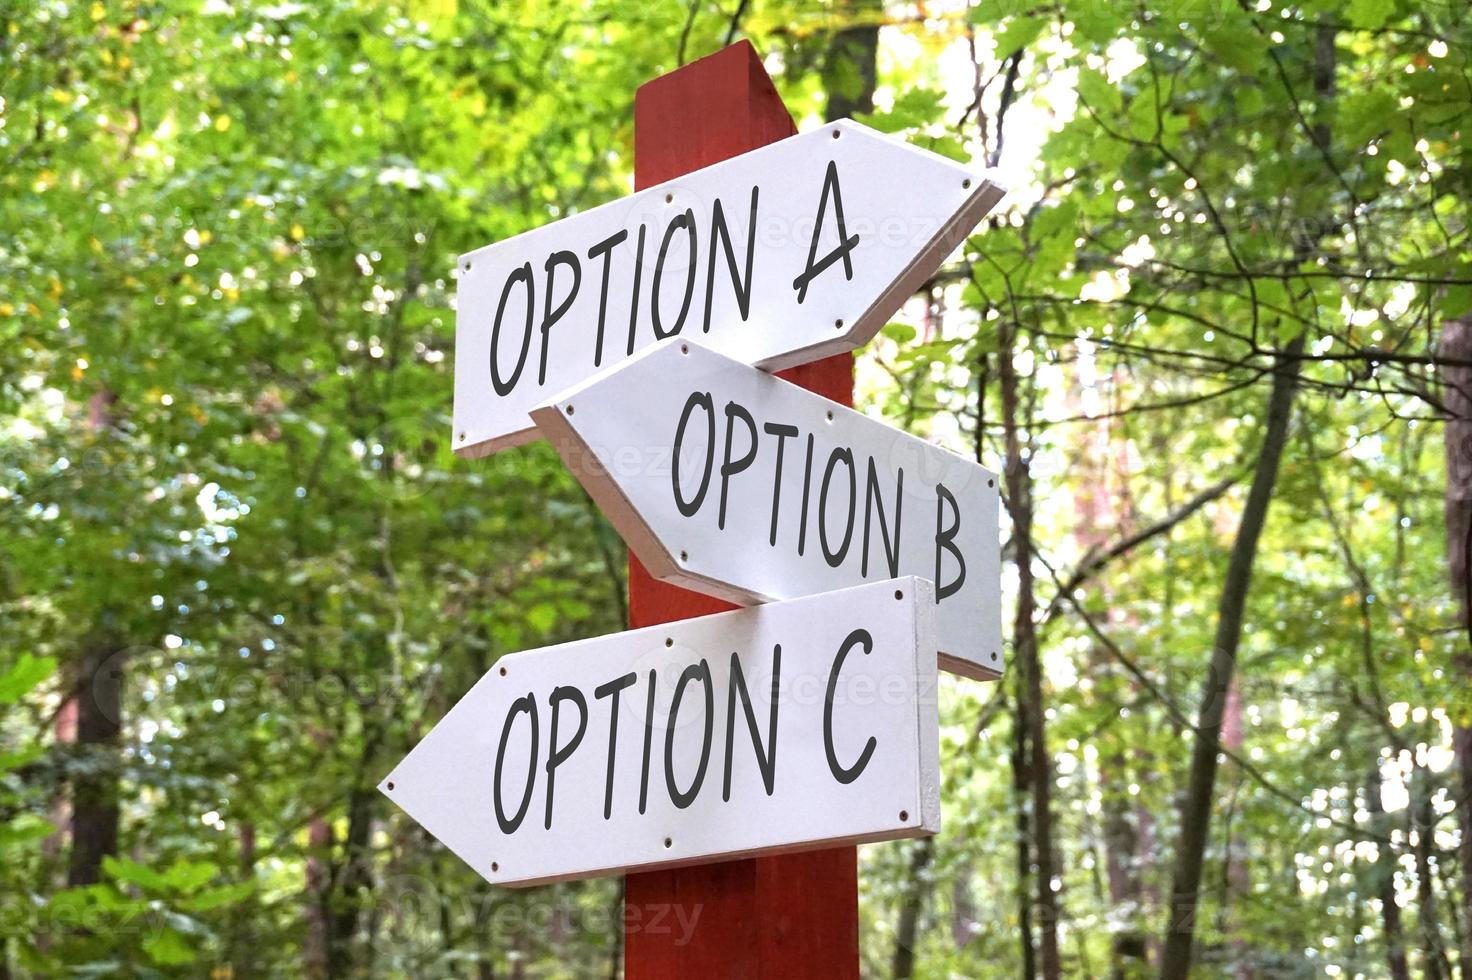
738, 484
788, 726
792, 252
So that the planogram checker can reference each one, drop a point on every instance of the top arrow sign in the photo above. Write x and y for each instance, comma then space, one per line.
793, 252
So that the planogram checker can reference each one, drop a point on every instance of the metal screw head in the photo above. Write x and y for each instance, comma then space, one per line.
838, 323
898, 594
569, 410
390, 784
966, 184
837, 133
904, 815
684, 556
669, 641
668, 842
495, 866
503, 671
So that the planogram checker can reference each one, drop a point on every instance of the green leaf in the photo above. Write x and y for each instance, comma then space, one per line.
542, 616
25, 829
1370, 14
1456, 302
1236, 46
131, 872
1018, 34
21, 679
989, 12
190, 876
1101, 94
214, 898
167, 948
900, 333
21, 757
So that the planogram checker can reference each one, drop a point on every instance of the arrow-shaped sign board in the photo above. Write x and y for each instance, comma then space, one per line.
787, 726
735, 483
792, 252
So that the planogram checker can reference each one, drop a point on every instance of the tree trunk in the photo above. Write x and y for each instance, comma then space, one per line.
353, 878
1021, 787
319, 853
95, 816
97, 707
1395, 941
1423, 825
1195, 821
850, 71
1456, 344
907, 932
1025, 659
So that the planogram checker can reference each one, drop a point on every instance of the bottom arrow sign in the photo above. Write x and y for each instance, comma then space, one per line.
787, 726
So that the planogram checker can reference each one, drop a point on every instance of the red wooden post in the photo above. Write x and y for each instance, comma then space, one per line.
792, 915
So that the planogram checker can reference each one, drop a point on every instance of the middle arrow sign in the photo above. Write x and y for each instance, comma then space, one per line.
735, 483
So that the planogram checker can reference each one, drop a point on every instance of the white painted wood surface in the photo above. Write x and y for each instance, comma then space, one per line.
882, 688
735, 483
543, 311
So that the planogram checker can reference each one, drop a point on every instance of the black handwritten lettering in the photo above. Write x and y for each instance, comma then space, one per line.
844, 775
835, 557
694, 672
730, 467
766, 761
873, 503
549, 315
686, 221
605, 249
782, 432
611, 690
558, 755
846, 242
504, 386
945, 540
527, 704
703, 399
741, 285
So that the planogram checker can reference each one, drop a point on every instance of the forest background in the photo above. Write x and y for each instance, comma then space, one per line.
1217, 340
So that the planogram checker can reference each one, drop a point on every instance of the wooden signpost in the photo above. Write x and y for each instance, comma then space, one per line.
730, 760
729, 481
804, 724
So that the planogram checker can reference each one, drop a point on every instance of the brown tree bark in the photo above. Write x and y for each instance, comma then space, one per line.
907, 931
95, 814
1196, 806
96, 696
850, 69
315, 951
1434, 964
1395, 934
1039, 771
1456, 344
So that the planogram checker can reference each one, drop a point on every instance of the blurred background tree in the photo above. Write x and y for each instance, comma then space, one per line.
1216, 339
